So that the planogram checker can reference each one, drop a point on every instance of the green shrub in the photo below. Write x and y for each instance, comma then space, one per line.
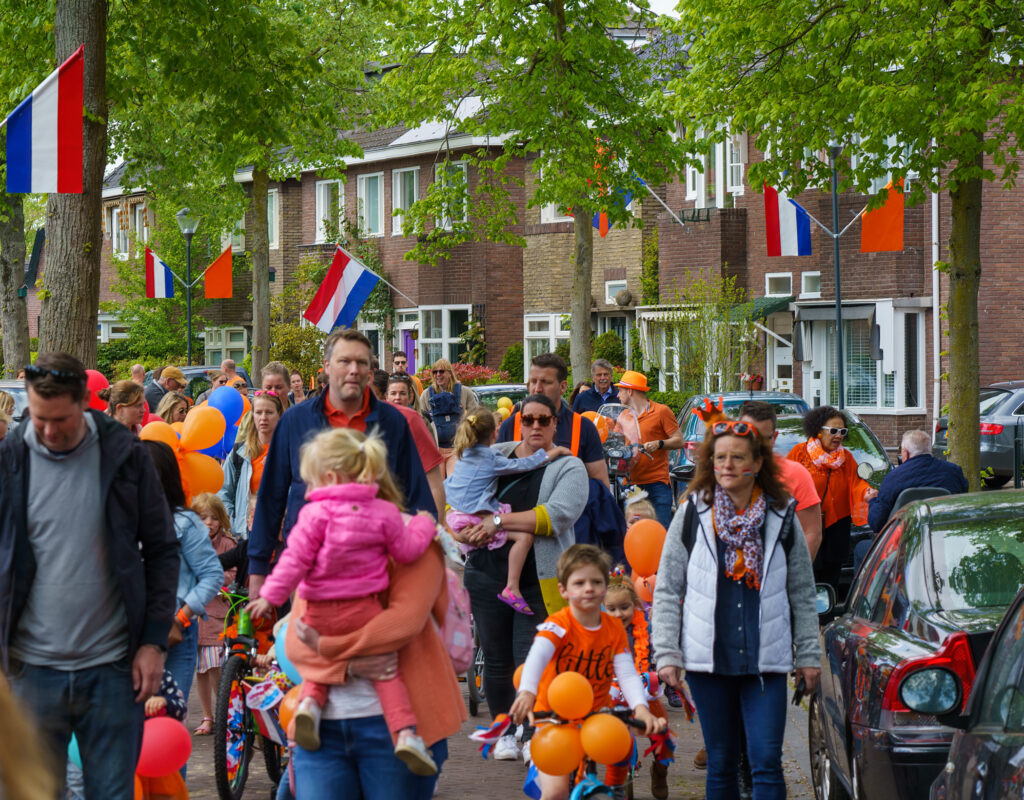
108, 354
562, 350
673, 400
512, 363
609, 346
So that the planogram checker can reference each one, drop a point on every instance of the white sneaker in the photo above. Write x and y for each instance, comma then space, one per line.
411, 750
506, 749
307, 725
526, 753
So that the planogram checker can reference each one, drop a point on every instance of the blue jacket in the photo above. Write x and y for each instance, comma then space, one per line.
201, 575
922, 470
602, 523
282, 492
591, 400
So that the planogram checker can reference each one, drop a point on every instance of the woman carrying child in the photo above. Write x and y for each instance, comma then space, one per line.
470, 491
337, 556
211, 644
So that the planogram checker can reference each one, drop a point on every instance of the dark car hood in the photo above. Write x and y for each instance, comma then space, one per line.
968, 620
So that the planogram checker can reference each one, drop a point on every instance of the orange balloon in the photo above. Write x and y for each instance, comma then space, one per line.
178, 427
160, 431
602, 427
517, 676
246, 405
605, 738
200, 474
643, 544
556, 749
286, 712
204, 427
570, 696
591, 415
644, 587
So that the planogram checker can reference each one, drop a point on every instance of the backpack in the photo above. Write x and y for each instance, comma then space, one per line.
445, 412
457, 631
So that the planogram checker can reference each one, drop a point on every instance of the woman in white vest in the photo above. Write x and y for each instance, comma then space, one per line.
734, 606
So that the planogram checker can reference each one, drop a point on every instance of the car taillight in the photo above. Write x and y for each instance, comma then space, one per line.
991, 429
953, 654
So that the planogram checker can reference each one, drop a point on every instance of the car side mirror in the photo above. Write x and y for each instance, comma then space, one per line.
864, 470
824, 599
932, 690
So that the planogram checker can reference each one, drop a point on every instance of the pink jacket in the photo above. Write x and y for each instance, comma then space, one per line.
339, 547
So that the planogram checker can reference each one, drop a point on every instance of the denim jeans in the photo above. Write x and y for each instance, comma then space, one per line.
98, 705
356, 761
660, 495
182, 658
760, 702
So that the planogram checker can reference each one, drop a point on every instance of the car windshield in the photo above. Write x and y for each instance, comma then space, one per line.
990, 398
858, 441
732, 409
978, 563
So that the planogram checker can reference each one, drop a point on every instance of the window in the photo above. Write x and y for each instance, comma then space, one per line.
330, 202
612, 288
1002, 703
552, 213
911, 361
455, 175
893, 161
810, 284
118, 225
405, 190
440, 328
736, 155
873, 577
370, 200
542, 333
224, 343
141, 224
273, 218
237, 237
778, 284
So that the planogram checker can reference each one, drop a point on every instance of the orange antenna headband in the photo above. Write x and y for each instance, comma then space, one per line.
711, 413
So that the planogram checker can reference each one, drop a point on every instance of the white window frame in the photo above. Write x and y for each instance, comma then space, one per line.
804, 293
767, 283
736, 159
321, 211
235, 237
141, 217
557, 331
447, 221
361, 183
397, 200
609, 295
447, 337
273, 218
695, 183
119, 240
217, 344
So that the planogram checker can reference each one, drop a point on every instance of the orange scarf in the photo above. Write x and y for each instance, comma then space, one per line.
641, 641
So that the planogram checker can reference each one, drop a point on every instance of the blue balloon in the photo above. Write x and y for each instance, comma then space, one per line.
228, 402
222, 449
287, 667
74, 755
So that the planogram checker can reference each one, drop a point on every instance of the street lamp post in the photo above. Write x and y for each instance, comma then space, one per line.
188, 223
834, 151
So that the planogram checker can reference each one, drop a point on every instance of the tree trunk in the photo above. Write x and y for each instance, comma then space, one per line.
583, 269
71, 280
259, 247
13, 309
962, 309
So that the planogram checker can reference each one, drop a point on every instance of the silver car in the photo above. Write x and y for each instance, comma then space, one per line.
1001, 409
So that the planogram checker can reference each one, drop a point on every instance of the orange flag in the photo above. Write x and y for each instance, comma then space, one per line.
218, 276
881, 230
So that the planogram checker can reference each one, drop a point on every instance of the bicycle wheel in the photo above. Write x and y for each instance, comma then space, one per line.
234, 731
475, 680
275, 758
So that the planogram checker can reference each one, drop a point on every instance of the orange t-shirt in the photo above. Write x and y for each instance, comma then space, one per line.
656, 422
580, 649
257, 470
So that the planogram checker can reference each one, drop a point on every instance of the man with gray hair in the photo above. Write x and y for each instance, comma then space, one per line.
918, 468
603, 391
138, 374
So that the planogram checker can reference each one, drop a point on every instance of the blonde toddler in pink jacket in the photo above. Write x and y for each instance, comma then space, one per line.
337, 556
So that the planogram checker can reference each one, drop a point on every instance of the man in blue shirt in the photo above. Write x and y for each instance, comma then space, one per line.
549, 376
919, 468
602, 391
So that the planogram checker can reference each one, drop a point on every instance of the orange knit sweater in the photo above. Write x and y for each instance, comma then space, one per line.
417, 590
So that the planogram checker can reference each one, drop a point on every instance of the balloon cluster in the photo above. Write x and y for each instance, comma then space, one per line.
643, 544
505, 407
95, 382
201, 439
557, 749
600, 422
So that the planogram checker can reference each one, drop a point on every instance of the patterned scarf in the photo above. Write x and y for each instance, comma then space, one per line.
823, 460
744, 554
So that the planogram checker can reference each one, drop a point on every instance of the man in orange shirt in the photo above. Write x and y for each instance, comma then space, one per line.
659, 433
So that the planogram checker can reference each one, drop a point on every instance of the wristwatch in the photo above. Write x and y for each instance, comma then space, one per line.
661, 444
497, 520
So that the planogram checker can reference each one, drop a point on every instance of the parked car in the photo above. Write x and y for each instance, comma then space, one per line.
489, 393
1001, 408
930, 593
680, 462
197, 379
17, 390
984, 760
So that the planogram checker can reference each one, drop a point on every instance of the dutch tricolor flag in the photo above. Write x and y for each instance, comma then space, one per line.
44, 133
345, 289
787, 225
159, 278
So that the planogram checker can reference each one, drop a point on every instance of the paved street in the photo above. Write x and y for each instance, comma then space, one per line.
465, 774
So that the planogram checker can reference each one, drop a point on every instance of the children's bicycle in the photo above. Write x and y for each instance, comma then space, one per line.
238, 729
475, 675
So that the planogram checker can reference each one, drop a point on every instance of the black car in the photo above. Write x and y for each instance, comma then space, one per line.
985, 760
1001, 408
930, 593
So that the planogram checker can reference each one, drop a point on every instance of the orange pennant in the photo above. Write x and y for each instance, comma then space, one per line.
218, 276
881, 230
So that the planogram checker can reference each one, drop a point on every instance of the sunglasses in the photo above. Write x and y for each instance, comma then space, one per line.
32, 372
439, 371
733, 426
541, 419
835, 431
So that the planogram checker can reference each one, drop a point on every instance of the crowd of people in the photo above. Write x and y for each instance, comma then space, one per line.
329, 512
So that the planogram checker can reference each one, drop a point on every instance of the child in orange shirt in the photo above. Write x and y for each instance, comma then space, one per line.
581, 638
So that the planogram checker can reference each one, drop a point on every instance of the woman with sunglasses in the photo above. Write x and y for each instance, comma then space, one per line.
844, 495
734, 606
444, 403
545, 502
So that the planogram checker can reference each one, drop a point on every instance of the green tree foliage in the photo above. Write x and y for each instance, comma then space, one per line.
550, 81
930, 87
512, 362
476, 344
609, 346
